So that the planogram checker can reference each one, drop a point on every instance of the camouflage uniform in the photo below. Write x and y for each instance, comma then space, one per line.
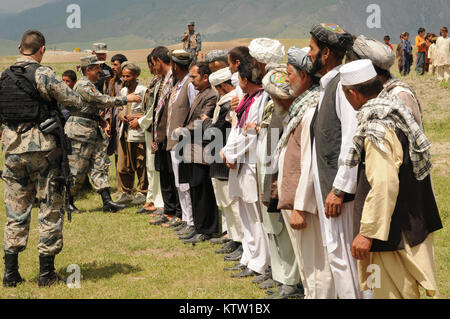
28, 174
89, 142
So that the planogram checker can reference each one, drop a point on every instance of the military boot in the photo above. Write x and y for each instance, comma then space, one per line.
72, 208
12, 276
108, 204
47, 275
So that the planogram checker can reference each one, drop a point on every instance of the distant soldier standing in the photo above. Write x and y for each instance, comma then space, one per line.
89, 142
28, 92
192, 41
101, 50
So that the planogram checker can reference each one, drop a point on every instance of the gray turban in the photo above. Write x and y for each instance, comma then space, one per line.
216, 55
381, 55
298, 57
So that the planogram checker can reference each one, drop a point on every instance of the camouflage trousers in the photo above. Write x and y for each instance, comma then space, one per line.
26, 177
89, 159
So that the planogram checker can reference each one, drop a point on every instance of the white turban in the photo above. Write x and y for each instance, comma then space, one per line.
266, 50
379, 53
219, 77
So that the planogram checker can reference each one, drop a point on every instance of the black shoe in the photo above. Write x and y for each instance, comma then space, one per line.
179, 227
244, 274
159, 221
221, 240
142, 211
188, 234
186, 229
288, 292
236, 267
197, 238
235, 255
108, 204
262, 278
175, 222
12, 277
269, 284
72, 208
47, 275
228, 248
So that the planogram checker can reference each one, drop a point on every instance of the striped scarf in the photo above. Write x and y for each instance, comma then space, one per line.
387, 111
166, 89
308, 99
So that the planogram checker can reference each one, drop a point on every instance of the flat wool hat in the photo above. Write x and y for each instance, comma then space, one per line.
333, 35
266, 50
100, 48
220, 76
381, 55
90, 60
181, 57
357, 72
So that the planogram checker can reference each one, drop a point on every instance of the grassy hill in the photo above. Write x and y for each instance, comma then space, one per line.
134, 23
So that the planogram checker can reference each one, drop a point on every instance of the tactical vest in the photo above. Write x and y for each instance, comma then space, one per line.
327, 132
20, 101
191, 42
416, 213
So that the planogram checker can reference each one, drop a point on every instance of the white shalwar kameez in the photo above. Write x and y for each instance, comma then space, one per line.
337, 232
243, 185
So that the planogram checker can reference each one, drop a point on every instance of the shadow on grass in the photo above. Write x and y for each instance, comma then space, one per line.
94, 272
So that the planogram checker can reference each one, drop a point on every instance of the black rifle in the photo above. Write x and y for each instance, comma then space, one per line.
55, 126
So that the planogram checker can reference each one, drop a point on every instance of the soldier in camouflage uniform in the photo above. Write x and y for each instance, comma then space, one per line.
88, 139
192, 41
28, 172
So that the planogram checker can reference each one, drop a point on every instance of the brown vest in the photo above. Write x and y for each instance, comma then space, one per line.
415, 214
179, 113
291, 170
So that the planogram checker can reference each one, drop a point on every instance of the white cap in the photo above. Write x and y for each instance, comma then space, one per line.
266, 50
220, 76
357, 72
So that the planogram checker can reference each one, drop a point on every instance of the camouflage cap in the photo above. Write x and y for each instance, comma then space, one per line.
332, 35
90, 60
181, 57
191, 23
100, 48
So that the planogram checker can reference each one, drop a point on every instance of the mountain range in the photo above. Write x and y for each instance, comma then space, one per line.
137, 24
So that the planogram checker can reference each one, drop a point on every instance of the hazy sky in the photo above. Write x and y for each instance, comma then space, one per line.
13, 6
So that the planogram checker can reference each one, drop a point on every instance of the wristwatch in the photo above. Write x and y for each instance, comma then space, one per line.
338, 192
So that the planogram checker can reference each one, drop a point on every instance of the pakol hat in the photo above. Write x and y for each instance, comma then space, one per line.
181, 57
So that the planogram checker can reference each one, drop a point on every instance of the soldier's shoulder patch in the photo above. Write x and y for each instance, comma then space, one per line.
94, 90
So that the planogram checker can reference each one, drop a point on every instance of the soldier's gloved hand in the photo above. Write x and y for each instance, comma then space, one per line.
134, 98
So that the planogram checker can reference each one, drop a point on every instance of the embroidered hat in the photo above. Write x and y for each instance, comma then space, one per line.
333, 35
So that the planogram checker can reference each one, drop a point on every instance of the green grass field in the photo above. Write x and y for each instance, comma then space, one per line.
121, 256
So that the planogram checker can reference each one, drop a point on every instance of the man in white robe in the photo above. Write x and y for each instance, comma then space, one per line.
329, 43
